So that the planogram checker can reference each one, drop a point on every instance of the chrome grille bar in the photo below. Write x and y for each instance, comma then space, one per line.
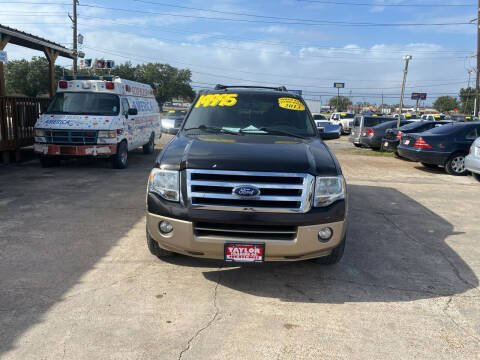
287, 192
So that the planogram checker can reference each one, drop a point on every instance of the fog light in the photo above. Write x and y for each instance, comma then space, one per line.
325, 234
165, 227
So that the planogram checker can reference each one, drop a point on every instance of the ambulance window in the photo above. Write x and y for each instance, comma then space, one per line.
125, 106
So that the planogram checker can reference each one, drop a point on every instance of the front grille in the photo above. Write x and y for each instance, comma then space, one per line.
279, 192
250, 232
68, 137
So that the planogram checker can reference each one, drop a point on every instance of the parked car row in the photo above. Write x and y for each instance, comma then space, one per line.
454, 145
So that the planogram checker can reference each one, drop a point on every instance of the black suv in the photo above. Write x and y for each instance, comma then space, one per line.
247, 179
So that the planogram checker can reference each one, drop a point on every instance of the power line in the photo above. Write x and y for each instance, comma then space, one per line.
323, 2
294, 22
298, 45
253, 81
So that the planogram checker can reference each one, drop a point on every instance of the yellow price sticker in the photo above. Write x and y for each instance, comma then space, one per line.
291, 104
343, 114
217, 100
171, 111
437, 116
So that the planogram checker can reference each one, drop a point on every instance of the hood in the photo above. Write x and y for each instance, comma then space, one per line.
78, 122
249, 153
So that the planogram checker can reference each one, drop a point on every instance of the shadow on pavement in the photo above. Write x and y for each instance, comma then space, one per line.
396, 251
55, 225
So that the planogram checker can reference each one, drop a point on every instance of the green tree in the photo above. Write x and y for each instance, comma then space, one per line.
467, 98
29, 78
340, 103
167, 81
445, 103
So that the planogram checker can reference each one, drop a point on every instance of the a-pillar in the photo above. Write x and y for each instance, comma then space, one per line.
52, 56
3, 42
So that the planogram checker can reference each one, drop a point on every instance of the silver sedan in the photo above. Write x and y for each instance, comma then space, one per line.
472, 161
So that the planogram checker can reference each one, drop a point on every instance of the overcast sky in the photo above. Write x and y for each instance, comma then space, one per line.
303, 44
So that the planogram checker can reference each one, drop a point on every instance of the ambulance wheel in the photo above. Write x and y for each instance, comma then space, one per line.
46, 162
149, 147
120, 159
156, 250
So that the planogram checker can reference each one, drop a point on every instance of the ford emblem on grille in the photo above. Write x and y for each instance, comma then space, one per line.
246, 191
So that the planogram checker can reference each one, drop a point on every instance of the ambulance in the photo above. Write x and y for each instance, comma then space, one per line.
98, 117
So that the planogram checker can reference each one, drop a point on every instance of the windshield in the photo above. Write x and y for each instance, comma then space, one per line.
347, 116
84, 103
177, 115
319, 117
414, 125
372, 121
445, 129
252, 113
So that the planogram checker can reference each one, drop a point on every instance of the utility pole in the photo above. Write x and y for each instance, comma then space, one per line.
74, 22
407, 58
381, 105
468, 90
477, 83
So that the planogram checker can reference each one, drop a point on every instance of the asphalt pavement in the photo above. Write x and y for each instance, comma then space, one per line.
77, 280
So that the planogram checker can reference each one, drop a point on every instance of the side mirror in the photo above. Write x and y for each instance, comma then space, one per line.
173, 131
132, 111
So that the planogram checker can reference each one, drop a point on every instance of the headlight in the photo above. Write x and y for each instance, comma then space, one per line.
328, 190
40, 132
107, 133
168, 124
164, 183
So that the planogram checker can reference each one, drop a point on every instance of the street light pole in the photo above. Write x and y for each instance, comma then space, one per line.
407, 58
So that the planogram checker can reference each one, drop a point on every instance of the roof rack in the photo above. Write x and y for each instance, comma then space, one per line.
224, 87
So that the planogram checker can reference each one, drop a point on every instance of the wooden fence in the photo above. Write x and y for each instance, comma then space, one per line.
18, 116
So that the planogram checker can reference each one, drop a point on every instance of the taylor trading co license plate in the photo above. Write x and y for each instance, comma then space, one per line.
251, 253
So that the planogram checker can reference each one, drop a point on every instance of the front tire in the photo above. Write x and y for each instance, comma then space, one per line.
476, 176
149, 147
455, 165
358, 145
155, 249
335, 256
120, 159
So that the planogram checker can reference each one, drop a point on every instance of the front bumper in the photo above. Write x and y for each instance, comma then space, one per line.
75, 150
472, 164
330, 135
171, 131
184, 240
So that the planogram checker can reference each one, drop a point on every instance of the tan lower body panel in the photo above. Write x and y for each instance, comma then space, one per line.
184, 241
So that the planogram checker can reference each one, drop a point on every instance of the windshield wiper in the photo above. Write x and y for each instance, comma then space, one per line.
214, 129
280, 132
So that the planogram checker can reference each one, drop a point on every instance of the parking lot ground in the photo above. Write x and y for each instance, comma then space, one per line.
77, 281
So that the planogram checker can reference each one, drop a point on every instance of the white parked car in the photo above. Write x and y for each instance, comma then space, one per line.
472, 160
345, 120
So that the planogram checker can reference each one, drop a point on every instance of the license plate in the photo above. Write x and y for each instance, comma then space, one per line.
68, 150
407, 142
244, 252
385, 144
